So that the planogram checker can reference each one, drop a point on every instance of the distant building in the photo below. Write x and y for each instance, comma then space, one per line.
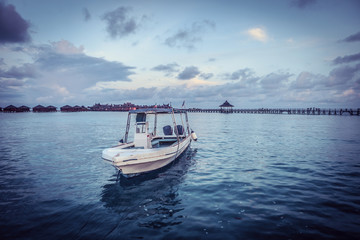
51, 109
23, 109
79, 109
40, 108
66, 108
226, 107
123, 107
10, 108
76, 108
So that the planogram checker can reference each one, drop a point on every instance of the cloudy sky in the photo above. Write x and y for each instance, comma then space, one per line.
281, 53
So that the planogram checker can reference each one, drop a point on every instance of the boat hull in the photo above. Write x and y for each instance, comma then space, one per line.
142, 161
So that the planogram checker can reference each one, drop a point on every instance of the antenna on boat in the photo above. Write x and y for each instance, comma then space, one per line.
183, 104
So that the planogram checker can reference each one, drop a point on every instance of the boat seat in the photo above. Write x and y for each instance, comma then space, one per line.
167, 130
180, 129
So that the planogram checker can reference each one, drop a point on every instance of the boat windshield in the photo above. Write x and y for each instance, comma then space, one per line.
157, 123
140, 117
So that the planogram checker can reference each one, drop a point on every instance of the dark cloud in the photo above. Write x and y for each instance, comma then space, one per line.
17, 49
120, 24
9, 96
275, 80
306, 80
10, 89
86, 14
189, 73
168, 69
206, 76
76, 69
24, 71
352, 38
6, 83
186, 74
347, 59
342, 77
302, 3
211, 59
171, 67
188, 37
239, 74
13, 28
92, 68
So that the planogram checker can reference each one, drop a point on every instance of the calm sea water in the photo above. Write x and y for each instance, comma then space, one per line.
248, 177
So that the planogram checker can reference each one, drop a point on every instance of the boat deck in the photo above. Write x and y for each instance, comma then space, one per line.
129, 149
159, 142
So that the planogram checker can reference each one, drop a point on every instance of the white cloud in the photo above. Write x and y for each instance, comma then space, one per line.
258, 34
66, 47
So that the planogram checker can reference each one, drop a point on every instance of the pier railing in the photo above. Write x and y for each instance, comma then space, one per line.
298, 111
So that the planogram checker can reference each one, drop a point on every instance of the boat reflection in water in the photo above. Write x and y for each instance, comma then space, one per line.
149, 201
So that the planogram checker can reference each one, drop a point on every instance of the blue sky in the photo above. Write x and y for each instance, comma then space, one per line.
281, 53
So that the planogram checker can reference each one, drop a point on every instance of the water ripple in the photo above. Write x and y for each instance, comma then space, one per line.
248, 177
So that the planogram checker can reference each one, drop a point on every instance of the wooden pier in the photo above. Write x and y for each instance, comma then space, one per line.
297, 111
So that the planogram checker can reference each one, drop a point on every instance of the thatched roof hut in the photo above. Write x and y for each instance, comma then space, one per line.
226, 104
226, 107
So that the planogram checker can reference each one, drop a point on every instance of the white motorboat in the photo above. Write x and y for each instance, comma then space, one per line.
149, 151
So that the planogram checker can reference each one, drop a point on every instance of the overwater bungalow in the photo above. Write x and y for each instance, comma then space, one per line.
66, 108
10, 108
23, 109
39, 108
51, 109
76, 108
226, 107
80, 109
